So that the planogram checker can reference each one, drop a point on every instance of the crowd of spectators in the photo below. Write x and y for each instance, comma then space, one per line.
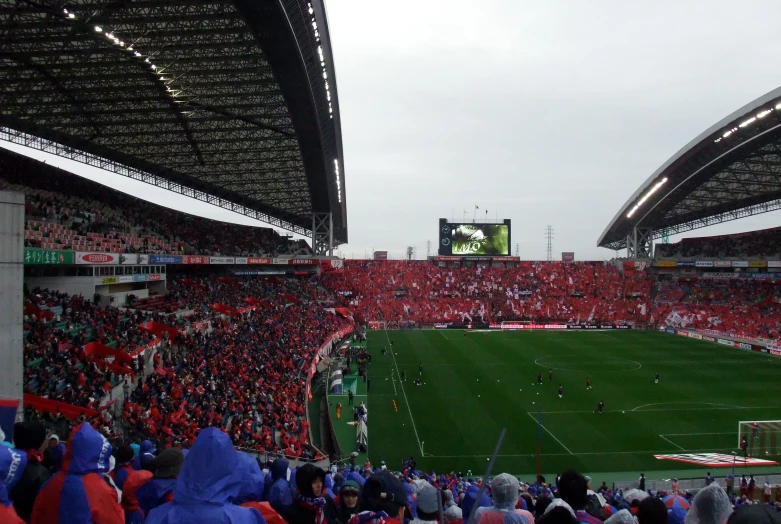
57, 326
65, 211
422, 292
94, 480
243, 370
746, 307
765, 243
246, 376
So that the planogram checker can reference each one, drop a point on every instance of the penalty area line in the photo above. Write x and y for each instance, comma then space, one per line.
551, 434
673, 443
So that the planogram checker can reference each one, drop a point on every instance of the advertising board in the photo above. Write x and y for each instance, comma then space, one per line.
34, 256
96, 258
165, 259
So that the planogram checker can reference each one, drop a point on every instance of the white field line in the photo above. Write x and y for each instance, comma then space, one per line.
551, 434
673, 443
414, 428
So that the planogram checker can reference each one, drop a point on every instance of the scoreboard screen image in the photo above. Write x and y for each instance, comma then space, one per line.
467, 239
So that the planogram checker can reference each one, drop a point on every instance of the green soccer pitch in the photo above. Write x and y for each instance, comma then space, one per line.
475, 385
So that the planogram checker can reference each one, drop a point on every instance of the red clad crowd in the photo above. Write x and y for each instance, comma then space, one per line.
745, 307
65, 211
244, 372
422, 292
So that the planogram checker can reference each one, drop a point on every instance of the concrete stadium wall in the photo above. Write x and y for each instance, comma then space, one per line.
84, 286
11, 291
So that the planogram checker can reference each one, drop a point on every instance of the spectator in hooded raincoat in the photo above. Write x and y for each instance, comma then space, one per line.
206, 485
470, 500
504, 490
280, 495
78, 493
313, 505
10, 459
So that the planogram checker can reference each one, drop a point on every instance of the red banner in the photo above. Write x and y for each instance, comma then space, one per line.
45, 404
194, 259
158, 329
225, 310
102, 351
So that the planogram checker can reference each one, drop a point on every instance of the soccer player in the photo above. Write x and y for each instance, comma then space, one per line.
539, 378
754, 430
656, 378
465, 333
588, 383
561, 391
550, 375
403, 375
744, 446
600, 406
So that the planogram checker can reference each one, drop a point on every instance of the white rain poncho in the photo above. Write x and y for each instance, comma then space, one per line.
710, 506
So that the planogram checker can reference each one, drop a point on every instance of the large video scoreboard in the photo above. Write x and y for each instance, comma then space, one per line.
470, 239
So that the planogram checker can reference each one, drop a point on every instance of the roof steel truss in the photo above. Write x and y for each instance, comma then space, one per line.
210, 111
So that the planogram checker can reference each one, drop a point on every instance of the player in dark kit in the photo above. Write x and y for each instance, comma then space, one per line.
550, 375
465, 333
588, 383
656, 378
403, 375
600, 406
420, 368
539, 378
561, 391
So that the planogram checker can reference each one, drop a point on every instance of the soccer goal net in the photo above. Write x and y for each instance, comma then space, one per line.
759, 437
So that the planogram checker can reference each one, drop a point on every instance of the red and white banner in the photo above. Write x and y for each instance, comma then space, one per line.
716, 460
194, 259
96, 258
153, 276
332, 265
258, 261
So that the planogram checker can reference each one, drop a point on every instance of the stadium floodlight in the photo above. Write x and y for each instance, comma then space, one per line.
137, 53
764, 113
71, 15
130, 48
110, 36
98, 29
778, 106
65, 11
153, 65
747, 122
646, 196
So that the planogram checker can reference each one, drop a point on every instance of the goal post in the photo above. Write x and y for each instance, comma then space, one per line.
763, 437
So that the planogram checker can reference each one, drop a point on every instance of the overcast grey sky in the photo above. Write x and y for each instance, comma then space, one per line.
547, 112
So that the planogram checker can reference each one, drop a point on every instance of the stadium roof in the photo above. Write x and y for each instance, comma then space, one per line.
730, 171
233, 102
